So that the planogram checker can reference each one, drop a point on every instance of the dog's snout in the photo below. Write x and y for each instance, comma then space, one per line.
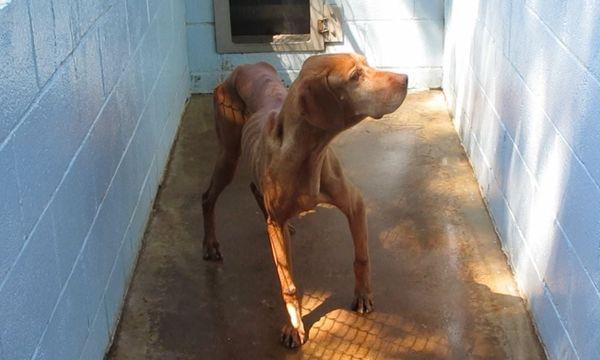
404, 80
401, 80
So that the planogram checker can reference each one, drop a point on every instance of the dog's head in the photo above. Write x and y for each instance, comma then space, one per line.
336, 91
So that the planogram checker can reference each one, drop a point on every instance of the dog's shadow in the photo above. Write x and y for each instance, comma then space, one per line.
318, 312
329, 315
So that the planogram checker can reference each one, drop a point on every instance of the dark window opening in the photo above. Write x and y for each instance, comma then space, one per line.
269, 20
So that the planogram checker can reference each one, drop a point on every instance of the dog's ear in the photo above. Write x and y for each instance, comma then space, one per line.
319, 103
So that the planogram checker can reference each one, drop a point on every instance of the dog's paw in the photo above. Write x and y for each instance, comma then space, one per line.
363, 303
212, 253
291, 338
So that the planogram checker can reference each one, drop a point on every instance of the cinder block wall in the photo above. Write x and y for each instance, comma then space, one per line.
402, 35
523, 80
91, 94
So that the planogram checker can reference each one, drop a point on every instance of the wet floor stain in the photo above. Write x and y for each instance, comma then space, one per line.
442, 288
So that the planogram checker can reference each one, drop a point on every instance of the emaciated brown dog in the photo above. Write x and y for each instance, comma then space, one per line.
285, 136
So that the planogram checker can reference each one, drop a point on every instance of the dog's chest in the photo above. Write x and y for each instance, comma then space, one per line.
300, 194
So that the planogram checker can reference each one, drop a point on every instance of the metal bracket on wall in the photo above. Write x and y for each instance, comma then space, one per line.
330, 26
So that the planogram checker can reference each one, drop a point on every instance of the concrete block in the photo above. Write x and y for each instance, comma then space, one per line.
485, 58
122, 197
114, 45
117, 287
18, 78
137, 22
360, 10
162, 107
11, 217
576, 299
68, 328
180, 11
204, 82
45, 143
131, 174
130, 100
51, 24
495, 15
155, 120
133, 236
565, 88
492, 138
577, 215
354, 39
73, 208
151, 60
105, 146
84, 14
202, 48
498, 208
575, 23
98, 256
404, 43
97, 340
29, 294
510, 97
198, 11
142, 142
89, 94
164, 25
280, 61
518, 196
556, 340
153, 8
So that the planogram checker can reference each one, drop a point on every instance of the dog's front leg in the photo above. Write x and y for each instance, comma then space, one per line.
292, 334
348, 199
357, 219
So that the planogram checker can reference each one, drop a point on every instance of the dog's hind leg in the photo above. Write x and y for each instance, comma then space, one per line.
222, 176
229, 121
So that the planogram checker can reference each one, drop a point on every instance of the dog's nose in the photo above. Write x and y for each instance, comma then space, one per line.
403, 79
399, 81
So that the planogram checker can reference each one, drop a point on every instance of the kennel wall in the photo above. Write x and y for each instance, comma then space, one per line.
90, 101
522, 78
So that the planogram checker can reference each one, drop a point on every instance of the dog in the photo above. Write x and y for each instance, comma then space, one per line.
284, 136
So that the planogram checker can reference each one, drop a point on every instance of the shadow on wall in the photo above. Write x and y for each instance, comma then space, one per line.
526, 110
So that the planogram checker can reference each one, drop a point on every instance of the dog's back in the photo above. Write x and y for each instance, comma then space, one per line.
247, 90
258, 86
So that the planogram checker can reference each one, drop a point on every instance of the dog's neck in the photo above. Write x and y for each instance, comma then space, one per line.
301, 136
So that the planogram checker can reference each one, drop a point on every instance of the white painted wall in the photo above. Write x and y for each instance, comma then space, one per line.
403, 35
523, 80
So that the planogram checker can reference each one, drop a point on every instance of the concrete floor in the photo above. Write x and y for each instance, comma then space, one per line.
442, 288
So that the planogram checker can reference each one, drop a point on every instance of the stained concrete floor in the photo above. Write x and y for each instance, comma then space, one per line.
442, 288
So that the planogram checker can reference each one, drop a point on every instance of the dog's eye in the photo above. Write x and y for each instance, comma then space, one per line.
355, 75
